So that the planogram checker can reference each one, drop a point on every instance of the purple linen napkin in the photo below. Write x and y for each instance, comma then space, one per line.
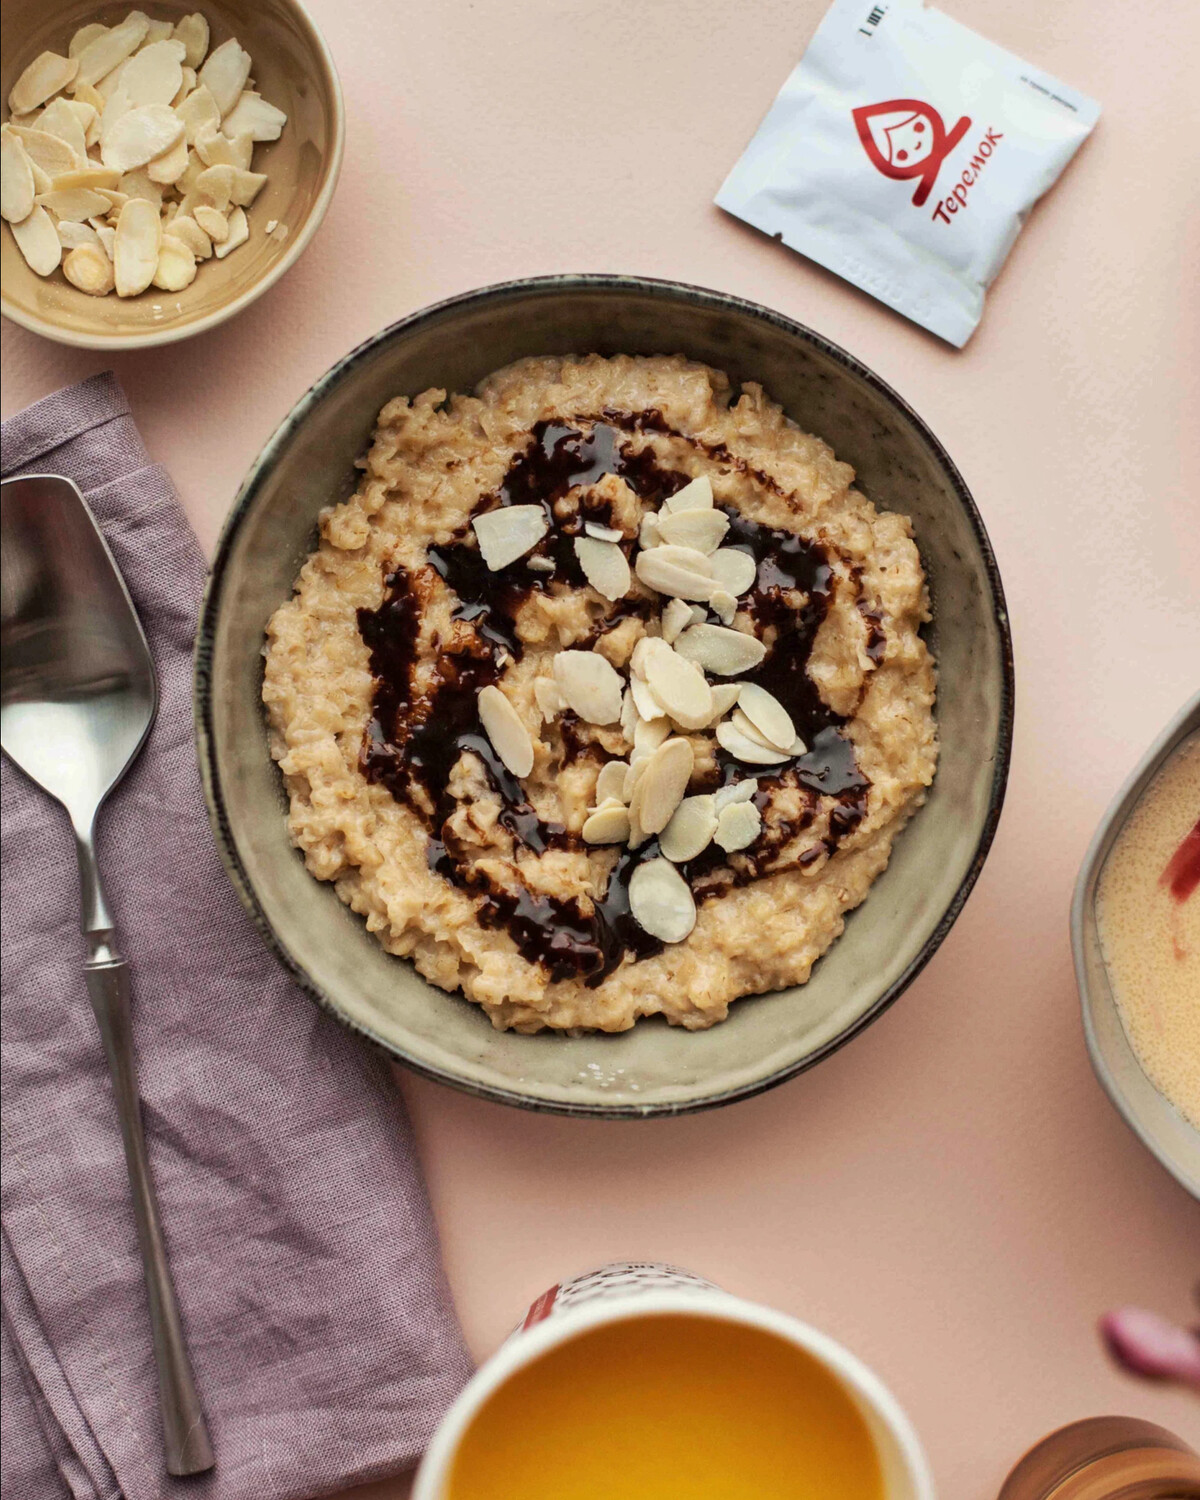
301, 1241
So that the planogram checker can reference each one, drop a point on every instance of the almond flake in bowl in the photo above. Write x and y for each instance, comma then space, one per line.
607, 696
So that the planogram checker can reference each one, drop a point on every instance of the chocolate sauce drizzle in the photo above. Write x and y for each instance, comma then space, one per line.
414, 740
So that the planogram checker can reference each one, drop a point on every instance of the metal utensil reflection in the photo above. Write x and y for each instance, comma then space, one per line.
77, 698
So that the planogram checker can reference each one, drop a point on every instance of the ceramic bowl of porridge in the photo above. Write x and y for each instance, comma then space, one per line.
604, 694
1135, 930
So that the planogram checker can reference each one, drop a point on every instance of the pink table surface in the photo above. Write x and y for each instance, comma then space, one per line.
952, 1195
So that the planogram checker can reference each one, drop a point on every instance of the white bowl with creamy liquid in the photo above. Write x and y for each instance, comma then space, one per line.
1135, 931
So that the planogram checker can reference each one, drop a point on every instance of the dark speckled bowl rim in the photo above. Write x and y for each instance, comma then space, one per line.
210, 607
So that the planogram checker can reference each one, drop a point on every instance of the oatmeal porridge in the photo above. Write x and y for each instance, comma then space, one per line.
604, 695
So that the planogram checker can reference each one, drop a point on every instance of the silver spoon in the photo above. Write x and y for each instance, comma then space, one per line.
77, 698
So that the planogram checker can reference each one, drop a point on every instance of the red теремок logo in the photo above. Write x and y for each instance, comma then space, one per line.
905, 138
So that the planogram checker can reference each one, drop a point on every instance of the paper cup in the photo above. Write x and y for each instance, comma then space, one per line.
616, 1293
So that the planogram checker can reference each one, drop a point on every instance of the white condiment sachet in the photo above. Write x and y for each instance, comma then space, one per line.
904, 153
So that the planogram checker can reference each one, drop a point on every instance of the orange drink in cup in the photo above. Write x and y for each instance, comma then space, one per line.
644, 1381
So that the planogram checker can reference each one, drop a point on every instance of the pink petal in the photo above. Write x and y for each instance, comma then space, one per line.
1147, 1345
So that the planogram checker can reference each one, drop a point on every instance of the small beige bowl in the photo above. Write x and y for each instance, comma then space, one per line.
293, 68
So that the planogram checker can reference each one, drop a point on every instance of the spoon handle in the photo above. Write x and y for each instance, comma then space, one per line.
188, 1449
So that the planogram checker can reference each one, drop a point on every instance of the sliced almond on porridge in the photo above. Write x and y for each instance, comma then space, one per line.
738, 825
50, 152
216, 226
690, 830
742, 747
84, 35
637, 657
107, 236
648, 707
176, 267
637, 769
16, 178
109, 49
637, 834
73, 203
42, 79
590, 685
504, 534
661, 902
192, 31
718, 649
502, 725
767, 715
648, 530
604, 566
649, 735
58, 118
37, 240
735, 791
723, 605
154, 75
547, 697
198, 111
610, 784
703, 530
629, 715
225, 72
676, 617
171, 166
734, 569
725, 695
697, 495
680, 686
253, 116
746, 726
72, 235
88, 268
603, 533
239, 233
135, 252
660, 790
679, 571
139, 135
537, 564
607, 825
